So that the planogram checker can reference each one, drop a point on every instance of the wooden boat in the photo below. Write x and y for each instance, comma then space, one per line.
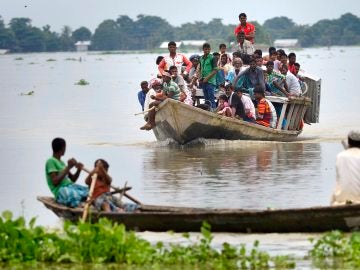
183, 123
185, 219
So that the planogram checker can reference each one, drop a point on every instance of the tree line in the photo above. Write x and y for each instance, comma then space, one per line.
147, 33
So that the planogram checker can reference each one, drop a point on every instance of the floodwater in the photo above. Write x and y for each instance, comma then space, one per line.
97, 121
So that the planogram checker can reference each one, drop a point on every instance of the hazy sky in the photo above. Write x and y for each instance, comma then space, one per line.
91, 13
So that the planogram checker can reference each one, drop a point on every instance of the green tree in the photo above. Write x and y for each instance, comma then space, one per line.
81, 34
106, 36
150, 31
66, 42
52, 40
7, 38
29, 39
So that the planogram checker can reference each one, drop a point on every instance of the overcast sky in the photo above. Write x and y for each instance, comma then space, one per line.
90, 13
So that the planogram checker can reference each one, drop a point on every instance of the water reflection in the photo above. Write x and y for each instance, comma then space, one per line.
234, 174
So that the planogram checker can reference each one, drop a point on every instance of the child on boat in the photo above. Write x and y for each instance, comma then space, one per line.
102, 198
224, 107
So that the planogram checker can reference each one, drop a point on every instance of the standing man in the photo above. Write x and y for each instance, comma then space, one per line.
174, 59
347, 189
206, 74
142, 93
60, 179
247, 28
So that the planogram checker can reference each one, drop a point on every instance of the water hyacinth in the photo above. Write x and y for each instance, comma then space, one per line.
337, 250
106, 242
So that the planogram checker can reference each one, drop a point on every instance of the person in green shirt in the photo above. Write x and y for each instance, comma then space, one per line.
206, 74
60, 179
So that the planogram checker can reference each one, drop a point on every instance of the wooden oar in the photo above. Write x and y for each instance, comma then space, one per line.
118, 189
89, 198
123, 191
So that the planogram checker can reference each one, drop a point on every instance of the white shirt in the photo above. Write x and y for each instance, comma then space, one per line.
293, 84
347, 177
148, 100
248, 106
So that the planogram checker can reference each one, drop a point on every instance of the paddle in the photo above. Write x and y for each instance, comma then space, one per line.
89, 198
117, 190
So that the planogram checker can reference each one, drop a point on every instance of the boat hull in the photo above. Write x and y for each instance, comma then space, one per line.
184, 123
182, 219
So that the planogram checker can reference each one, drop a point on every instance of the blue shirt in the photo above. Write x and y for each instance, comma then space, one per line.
141, 98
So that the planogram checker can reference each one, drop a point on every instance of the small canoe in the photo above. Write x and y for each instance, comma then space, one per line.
186, 219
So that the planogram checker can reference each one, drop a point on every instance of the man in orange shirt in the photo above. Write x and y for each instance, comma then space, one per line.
247, 28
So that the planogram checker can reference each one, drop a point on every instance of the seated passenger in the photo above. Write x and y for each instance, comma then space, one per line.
250, 78
185, 95
237, 107
292, 82
266, 114
275, 82
244, 46
266, 58
224, 107
237, 68
103, 200
223, 69
170, 90
248, 105
291, 64
222, 50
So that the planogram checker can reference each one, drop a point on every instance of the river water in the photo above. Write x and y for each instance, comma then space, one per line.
97, 121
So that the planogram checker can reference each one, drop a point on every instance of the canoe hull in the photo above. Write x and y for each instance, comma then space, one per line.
184, 123
178, 219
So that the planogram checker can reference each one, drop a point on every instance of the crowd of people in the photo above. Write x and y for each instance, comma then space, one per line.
229, 81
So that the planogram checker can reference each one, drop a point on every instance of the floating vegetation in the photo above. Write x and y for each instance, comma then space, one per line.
51, 60
99, 59
32, 63
82, 82
30, 93
337, 250
19, 58
71, 59
108, 243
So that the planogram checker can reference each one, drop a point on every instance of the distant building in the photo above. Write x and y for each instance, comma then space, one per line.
3, 51
82, 46
286, 43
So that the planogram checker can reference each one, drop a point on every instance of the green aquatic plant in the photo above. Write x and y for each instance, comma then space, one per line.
30, 93
71, 59
337, 250
82, 82
109, 243
19, 58
50, 60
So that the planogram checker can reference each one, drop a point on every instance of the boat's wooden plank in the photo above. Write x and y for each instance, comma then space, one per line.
282, 115
289, 116
295, 117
